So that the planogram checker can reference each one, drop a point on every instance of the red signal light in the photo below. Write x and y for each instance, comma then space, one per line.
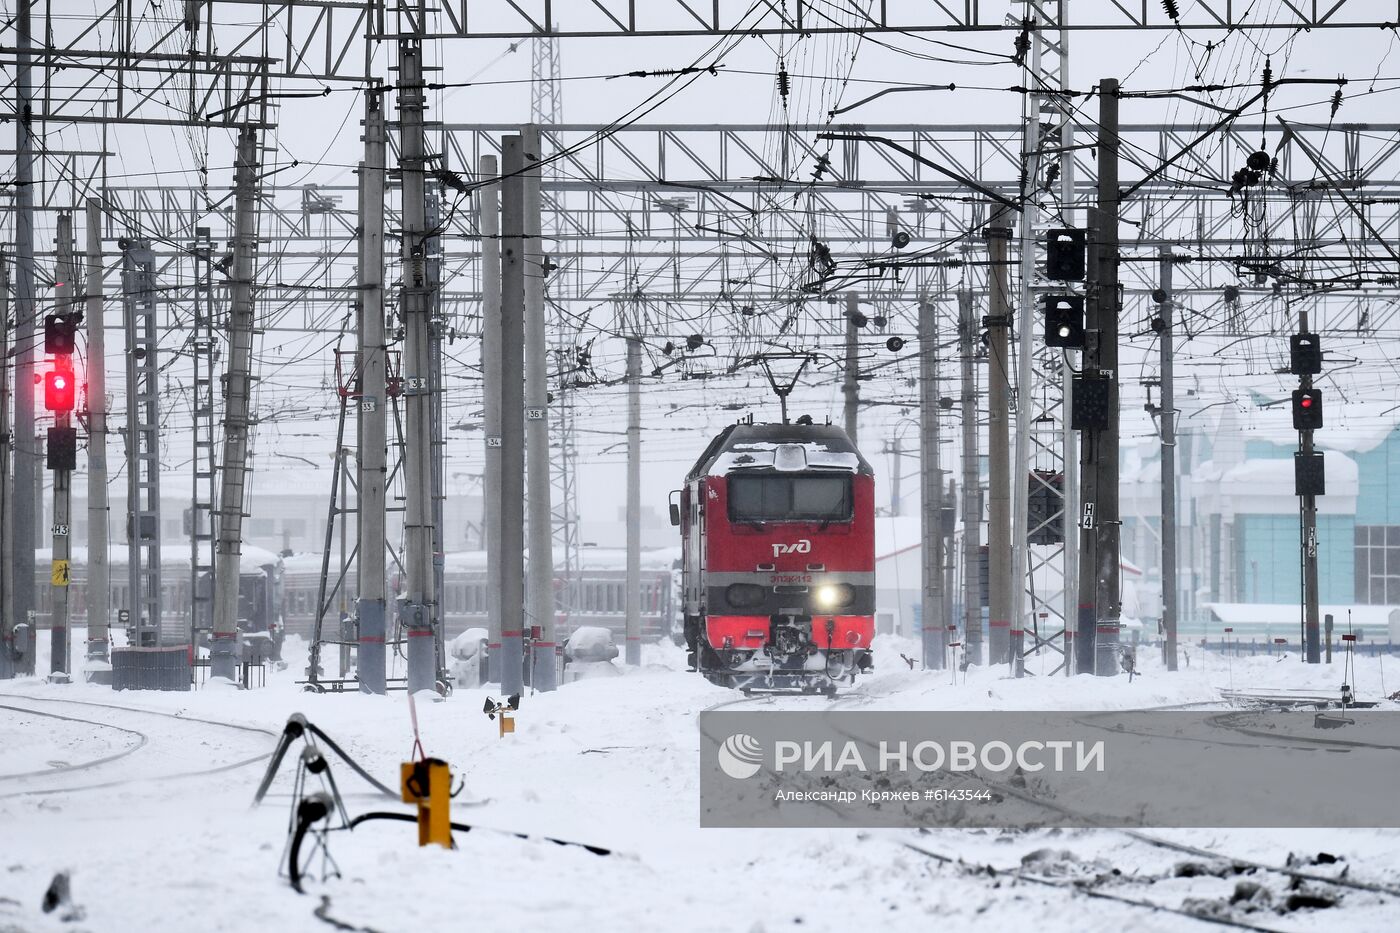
1307, 409
59, 392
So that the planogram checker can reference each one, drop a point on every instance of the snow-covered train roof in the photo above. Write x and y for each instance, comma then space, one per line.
308, 562
615, 558
590, 558
464, 560
781, 448
251, 559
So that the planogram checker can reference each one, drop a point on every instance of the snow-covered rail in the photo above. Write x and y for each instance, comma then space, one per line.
140, 741
169, 747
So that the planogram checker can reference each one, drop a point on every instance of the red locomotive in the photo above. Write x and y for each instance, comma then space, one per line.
778, 545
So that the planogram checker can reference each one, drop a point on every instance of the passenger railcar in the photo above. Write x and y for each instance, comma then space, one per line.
778, 538
301, 584
597, 595
259, 591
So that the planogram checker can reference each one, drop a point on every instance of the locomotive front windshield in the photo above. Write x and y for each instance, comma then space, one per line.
790, 498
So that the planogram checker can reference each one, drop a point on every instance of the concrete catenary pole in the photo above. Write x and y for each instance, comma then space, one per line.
7, 530
850, 384
1166, 349
512, 391
540, 585
437, 495
949, 566
371, 551
489, 222
416, 303
25, 491
1108, 601
99, 574
633, 601
237, 407
61, 654
971, 483
932, 614
999, 581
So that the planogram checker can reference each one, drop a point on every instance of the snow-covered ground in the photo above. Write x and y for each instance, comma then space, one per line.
157, 840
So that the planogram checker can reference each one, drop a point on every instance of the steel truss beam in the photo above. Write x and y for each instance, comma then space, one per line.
519, 19
214, 61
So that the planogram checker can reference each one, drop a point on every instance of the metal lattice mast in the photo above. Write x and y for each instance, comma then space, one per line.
564, 484
547, 111
546, 95
142, 442
202, 412
1043, 445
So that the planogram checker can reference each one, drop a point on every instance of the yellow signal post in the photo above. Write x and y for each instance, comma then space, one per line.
428, 783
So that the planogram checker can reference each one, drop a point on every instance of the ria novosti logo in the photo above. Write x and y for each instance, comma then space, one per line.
740, 756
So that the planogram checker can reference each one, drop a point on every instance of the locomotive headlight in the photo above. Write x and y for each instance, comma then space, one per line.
834, 595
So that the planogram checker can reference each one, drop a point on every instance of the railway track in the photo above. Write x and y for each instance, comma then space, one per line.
142, 739
1101, 888
1295, 876
1081, 888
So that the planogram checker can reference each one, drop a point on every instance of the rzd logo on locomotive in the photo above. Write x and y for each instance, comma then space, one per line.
797, 547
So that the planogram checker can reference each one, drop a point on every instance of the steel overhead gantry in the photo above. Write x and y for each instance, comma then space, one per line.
521, 19
208, 65
719, 173
593, 210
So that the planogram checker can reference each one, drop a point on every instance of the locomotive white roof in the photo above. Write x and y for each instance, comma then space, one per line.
784, 458
780, 447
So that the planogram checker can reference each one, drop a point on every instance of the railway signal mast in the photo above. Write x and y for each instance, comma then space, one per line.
1309, 476
60, 330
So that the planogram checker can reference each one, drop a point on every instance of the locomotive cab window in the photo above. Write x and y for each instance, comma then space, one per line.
790, 498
